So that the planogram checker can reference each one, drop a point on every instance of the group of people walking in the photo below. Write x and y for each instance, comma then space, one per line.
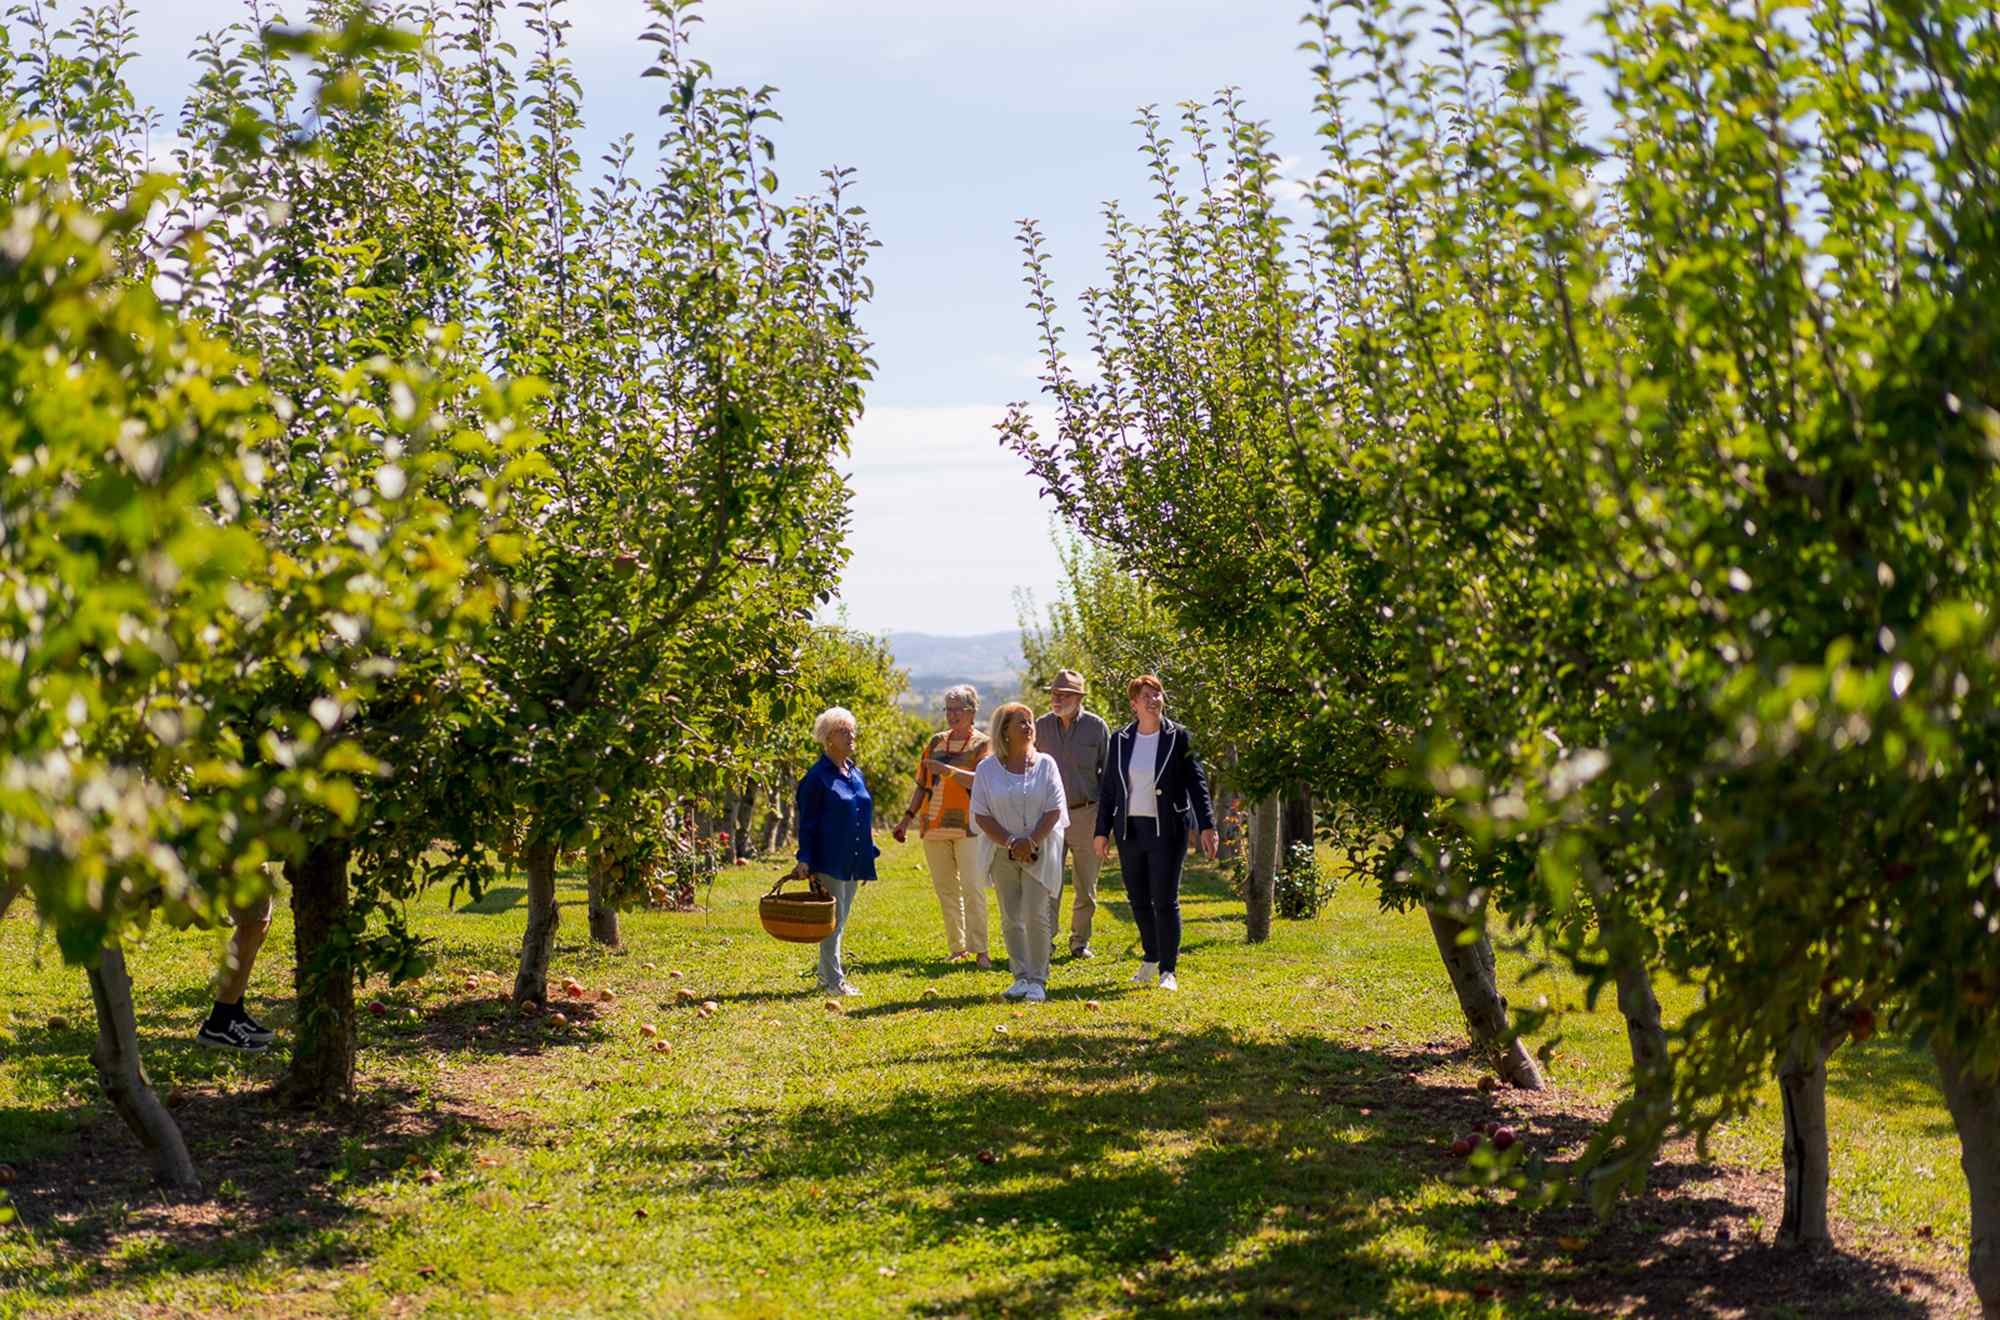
1000, 809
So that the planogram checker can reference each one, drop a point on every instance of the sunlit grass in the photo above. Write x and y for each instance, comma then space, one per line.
1186, 1153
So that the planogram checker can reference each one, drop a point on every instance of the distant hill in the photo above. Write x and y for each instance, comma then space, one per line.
990, 662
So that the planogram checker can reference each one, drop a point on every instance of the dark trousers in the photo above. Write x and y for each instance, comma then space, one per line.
1151, 865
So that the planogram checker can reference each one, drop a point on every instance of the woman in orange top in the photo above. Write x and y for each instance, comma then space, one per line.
942, 804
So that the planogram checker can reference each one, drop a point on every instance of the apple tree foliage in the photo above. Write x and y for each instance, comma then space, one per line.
1626, 476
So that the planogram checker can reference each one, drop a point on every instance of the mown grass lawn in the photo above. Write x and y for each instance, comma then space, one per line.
1268, 1141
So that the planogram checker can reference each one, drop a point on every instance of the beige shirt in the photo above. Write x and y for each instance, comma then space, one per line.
1079, 752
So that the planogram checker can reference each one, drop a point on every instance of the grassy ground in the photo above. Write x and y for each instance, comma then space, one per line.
1270, 1140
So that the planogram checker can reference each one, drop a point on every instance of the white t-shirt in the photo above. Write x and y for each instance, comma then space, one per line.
1143, 800
1017, 804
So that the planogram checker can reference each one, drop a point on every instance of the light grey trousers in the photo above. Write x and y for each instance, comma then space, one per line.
1024, 919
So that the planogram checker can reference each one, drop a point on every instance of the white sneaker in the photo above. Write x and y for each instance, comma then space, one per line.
1018, 990
1167, 981
1147, 974
1035, 994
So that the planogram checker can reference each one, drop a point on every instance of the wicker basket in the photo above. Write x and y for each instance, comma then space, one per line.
804, 918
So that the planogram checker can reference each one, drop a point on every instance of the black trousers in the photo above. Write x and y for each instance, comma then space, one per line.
1150, 863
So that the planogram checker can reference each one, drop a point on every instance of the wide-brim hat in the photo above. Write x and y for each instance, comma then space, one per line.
1067, 680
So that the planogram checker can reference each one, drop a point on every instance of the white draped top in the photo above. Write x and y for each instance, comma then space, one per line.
1017, 804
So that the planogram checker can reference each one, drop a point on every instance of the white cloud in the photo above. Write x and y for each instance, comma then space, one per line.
947, 524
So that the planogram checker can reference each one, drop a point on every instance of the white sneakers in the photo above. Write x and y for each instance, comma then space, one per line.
1167, 981
1147, 974
1035, 994
1018, 990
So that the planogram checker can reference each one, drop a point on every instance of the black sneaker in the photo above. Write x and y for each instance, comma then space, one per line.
223, 1014
235, 1034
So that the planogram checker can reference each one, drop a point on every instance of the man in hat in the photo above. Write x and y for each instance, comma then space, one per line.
1079, 742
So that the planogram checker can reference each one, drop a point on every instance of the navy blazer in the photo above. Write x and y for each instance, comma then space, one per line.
1179, 784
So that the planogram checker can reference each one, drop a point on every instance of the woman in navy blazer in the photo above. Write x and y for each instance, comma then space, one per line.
1152, 796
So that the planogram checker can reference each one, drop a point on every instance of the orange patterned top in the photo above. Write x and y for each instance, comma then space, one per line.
945, 814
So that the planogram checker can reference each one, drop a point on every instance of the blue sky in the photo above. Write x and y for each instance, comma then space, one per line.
961, 118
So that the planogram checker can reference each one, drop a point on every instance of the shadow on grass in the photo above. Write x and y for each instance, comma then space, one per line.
1886, 1073
500, 898
276, 1183
1216, 1175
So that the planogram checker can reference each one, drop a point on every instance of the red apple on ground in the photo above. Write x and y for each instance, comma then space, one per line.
377, 1007
662, 1047
558, 1020
988, 1157
648, 1030
1503, 1137
1462, 1147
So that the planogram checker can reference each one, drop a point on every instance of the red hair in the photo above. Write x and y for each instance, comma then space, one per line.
1141, 683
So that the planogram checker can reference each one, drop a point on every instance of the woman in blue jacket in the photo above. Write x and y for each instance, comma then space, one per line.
836, 820
1153, 795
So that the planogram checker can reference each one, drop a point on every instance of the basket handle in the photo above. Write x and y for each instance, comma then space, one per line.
812, 885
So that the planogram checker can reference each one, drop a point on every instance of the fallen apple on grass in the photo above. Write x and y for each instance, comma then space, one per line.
648, 1030
377, 1007
988, 1157
711, 1005
606, 997
833, 1006
1503, 1137
662, 1047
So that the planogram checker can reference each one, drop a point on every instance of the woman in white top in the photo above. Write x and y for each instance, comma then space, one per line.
1021, 810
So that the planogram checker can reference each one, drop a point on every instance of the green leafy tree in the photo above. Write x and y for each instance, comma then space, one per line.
1654, 462
697, 334
328, 260
1179, 451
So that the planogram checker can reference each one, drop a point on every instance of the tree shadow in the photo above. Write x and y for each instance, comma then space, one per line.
1214, 1174
500, 898
1887, 1073
275, 1183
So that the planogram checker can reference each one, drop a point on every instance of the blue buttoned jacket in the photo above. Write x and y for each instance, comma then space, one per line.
836, 819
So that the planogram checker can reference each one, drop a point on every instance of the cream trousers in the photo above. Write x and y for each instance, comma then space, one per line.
961, 892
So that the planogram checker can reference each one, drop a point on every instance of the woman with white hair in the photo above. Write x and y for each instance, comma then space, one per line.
1021, 810
942, 807
836, 820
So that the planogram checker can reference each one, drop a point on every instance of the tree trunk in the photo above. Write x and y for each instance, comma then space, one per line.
322, 1071
739, 830
538, 943
1298, 820
123, 1076
1652, 1066
1975, 1108
603, 916
1263, 869
1485, 1008
1802, 1087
